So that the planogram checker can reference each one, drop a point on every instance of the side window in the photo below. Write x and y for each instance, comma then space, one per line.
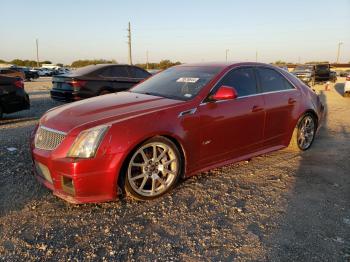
138, 73
242, 79
272, 81
119, 71
106, 72
114, 71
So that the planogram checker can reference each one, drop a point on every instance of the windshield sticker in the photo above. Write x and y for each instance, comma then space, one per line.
187, 80
187, 95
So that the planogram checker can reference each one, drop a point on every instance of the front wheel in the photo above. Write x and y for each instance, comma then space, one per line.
304, 133
153, 169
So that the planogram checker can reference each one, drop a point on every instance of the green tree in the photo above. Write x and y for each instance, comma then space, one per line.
86, 62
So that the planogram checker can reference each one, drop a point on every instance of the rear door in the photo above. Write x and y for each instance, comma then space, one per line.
281, 99
232, 128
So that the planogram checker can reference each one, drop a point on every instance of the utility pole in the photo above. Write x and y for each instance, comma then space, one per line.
129, 43
226, 53
37, 52
147, 60
256, 56
338, 53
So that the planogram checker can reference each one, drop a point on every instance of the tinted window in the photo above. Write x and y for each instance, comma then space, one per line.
114, 71
138, 73
243, 80
271, 80
119, 71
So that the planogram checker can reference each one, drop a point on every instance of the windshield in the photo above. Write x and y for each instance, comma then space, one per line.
180, 83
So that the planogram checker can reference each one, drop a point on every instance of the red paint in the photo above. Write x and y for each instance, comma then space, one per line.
217, 133
225, 93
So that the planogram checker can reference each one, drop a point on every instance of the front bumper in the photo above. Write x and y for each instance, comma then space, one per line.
78, 180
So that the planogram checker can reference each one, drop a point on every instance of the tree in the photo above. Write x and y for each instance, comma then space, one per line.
163, 64
86, 62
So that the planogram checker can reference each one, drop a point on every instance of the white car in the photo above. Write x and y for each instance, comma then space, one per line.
347, 86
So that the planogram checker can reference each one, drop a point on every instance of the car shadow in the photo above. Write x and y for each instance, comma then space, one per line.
312, 227
339, 87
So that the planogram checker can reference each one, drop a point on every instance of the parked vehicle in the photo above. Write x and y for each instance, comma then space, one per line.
96, 80
305, 73
13, 98
184, 120
11, 73
347, 86
29, 75
44, 72
323, 73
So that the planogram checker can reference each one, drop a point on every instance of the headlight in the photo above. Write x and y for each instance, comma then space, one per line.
87, 142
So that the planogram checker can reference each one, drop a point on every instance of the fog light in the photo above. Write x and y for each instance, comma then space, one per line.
43, 171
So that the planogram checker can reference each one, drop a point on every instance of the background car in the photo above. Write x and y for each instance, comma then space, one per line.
11, 73
13, 98
347, 87
29, 75
182, 121
96, 80
305, 73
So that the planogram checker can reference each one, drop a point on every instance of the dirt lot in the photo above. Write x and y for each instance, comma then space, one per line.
282, 206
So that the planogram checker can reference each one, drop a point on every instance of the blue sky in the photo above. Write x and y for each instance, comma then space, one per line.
188, 31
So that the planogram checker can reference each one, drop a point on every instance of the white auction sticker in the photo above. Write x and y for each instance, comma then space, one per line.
187, 80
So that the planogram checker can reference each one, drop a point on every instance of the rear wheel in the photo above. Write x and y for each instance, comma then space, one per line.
153, 169
303, 134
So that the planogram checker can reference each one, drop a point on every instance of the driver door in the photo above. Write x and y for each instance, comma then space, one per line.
232, 128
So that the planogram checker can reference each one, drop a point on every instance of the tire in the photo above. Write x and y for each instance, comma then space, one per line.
1, 113
154, 172
303, 134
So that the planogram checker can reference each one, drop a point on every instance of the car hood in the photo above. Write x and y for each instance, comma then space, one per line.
103, 110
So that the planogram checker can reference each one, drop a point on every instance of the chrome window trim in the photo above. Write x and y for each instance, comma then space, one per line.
53, 130
257, 94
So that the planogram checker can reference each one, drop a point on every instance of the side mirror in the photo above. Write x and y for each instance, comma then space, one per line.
225, 93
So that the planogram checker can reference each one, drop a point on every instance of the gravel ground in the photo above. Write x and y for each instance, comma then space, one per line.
279, 207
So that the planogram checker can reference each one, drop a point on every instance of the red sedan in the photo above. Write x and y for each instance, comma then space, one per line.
182, 121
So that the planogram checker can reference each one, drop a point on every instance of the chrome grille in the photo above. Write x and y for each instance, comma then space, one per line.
47, 138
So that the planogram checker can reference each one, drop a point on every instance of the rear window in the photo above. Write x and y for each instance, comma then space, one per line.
136, 72
322, 67
114, 71
271, 81
84, 70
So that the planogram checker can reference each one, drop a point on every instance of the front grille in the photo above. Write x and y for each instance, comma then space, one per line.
48, 139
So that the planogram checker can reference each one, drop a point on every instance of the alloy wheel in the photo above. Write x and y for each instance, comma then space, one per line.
306, 132
153, 169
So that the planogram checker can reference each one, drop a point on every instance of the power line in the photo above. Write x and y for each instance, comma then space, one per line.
338, 53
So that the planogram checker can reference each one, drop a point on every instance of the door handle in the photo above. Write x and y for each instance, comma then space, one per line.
291, 101
257, 109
